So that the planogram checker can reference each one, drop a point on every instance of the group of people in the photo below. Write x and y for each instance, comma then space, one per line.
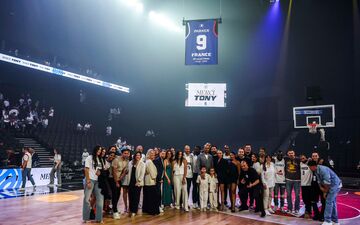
24, 115
166, 177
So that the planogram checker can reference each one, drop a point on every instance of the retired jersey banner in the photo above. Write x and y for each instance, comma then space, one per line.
206, 95
201, 42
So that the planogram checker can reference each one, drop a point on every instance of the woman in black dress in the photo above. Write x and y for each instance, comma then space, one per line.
221, 169
233, 177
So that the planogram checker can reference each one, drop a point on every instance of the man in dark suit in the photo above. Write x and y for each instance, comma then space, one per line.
159, 164
205, 159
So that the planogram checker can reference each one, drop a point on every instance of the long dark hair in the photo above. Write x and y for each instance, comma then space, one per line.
166, 154
134, 158
177, 157
264, 164
94, 155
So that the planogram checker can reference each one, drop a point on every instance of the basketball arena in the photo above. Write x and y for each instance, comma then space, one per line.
180, 112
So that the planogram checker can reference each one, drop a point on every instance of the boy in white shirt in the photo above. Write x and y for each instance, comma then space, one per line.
203, 182
213, 195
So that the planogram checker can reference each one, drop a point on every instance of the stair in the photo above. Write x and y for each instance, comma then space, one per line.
43, 154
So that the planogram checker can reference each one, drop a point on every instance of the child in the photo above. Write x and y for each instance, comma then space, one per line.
213, 183
203, 182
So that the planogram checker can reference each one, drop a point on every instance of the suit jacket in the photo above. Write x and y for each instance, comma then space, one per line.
150, 173
202, 161
159, 163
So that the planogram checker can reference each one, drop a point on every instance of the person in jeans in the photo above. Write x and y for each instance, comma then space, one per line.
56, 168
92, 171
279, 181
330, 184
26, 168
293, 181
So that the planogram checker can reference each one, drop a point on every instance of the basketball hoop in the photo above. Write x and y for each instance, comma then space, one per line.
312, 127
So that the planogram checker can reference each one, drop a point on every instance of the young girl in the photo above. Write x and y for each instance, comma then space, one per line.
268, 179
213, 183
203, 182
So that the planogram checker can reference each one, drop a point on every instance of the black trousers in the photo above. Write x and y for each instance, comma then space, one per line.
244, 196
134, 198
195, 191
188, 184
150, 200
258, 193
316, 195
158, 193
306, 197
115, 194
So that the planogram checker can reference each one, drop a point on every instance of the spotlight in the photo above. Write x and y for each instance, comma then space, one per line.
135, 4
164, 21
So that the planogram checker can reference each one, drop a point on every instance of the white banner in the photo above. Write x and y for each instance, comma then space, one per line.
12, 178
206, 95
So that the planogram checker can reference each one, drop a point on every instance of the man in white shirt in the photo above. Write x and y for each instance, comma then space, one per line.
26, 168
190, 165
279, 181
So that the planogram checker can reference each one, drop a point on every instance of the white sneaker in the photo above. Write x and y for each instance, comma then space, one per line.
171, 206
271, 210
161, 210
133, 214
116, 216
177, 207
186, 210
326, 223
267, 213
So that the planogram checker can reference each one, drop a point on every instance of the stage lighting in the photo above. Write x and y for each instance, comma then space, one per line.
163, 21
273, 1
135, 4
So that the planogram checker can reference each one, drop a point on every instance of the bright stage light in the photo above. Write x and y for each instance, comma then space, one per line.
135, 4
163, 21
59, 72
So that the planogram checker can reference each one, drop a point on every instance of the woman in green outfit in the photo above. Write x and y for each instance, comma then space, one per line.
167, 180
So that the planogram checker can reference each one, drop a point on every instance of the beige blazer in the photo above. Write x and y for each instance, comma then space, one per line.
150, 173
139, 174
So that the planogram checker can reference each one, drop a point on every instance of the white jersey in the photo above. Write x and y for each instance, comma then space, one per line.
279, 171
189, 158
306, 174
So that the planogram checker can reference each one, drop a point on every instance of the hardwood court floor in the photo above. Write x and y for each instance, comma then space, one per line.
66, 208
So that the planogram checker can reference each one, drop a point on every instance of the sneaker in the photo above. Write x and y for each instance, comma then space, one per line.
296, 212
133, 214
282, 209
186, 210
276, 208
50, 185
263, 214
171, 206
116, 216
177, 207
267, 213
161, 210
288, 211
271, 210
326, 223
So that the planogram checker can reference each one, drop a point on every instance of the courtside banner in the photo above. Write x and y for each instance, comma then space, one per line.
201, 42
206, 95
12, 178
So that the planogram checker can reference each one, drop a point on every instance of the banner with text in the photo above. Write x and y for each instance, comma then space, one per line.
206, 95
12, 178
201, 42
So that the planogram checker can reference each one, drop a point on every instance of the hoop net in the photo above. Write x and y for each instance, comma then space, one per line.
312, 128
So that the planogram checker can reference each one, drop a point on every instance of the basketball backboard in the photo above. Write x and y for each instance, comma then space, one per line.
323, 115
